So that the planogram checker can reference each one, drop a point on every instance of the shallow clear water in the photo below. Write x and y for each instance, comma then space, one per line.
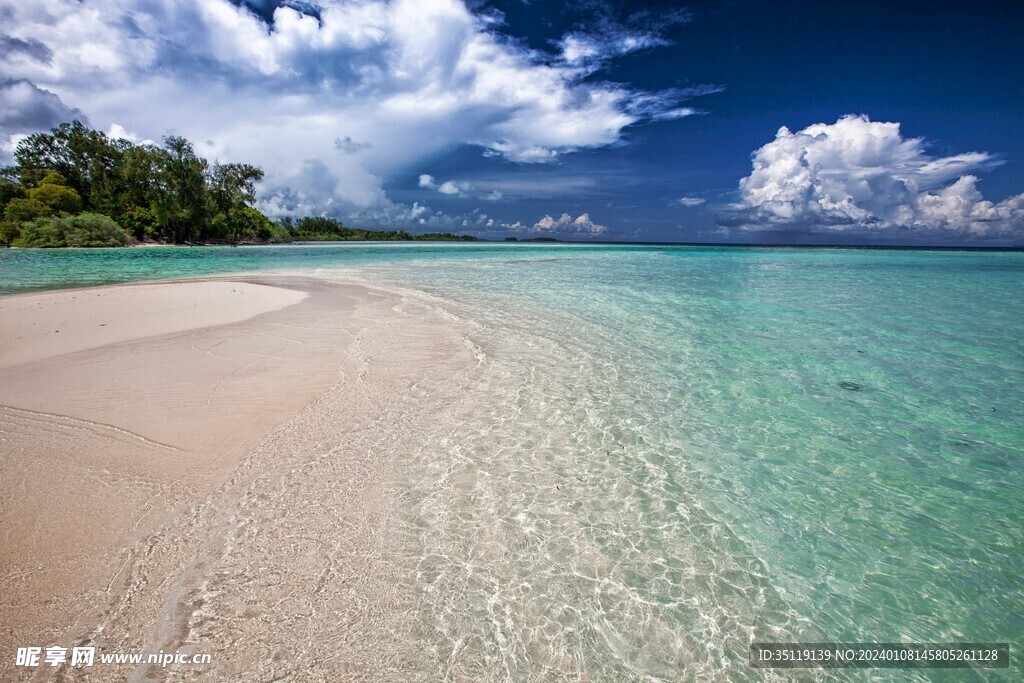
666, 452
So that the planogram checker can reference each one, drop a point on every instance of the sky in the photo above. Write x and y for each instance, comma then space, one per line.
870, 122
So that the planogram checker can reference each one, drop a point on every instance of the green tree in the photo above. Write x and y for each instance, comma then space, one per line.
86, 158
180, 204
232, 188
234, 185
54, 194
9, 232
140, 222
243, 223
137, 179
9, 189
167, 192
26, 209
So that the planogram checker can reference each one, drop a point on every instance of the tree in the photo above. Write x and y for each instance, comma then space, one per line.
9, 190
140, 221
9, 232
165, 192
232, 189
243, 223
54, 194
180, 204
234, 185
86, 158
137, 177
26, 209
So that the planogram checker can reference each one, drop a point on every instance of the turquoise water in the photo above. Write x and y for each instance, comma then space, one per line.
666, 452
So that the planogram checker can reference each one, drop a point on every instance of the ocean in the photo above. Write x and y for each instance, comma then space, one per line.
664, 453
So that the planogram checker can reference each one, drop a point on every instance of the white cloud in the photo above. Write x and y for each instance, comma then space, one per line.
455, 187
582, 49
860, 175
608, 38
287, 202
119, 132
690, 201
388, 83
567, 224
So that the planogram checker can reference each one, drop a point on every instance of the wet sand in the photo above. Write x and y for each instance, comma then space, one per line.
211, 467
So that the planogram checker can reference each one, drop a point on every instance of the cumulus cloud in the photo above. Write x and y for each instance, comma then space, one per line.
690, 201
581, 225
119, 132
862, 175
313, 188
454, 188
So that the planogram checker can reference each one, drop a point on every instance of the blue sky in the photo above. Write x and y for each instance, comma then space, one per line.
588, 120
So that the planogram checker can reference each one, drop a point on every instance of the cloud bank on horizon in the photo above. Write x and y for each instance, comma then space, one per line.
862, 175
331, 98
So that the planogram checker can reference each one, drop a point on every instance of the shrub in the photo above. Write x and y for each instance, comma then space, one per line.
83, 230
96, 230
279, 234
44, 232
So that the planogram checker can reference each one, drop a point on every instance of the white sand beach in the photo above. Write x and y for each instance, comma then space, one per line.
205, 466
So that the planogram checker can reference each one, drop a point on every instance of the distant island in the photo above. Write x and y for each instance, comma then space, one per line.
77, 187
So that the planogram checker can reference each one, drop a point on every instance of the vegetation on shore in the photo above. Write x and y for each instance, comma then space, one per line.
77, 187
320, 229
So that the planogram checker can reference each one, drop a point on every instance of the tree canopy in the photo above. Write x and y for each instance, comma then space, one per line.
163, 192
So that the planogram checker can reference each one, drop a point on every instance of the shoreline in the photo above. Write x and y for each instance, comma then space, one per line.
133, 461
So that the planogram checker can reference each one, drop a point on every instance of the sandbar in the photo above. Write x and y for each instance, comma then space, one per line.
180, 443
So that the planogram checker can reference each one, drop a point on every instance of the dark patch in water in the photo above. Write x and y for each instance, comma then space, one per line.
850, 386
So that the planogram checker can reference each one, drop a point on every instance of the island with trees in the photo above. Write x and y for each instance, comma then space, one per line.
77, 187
